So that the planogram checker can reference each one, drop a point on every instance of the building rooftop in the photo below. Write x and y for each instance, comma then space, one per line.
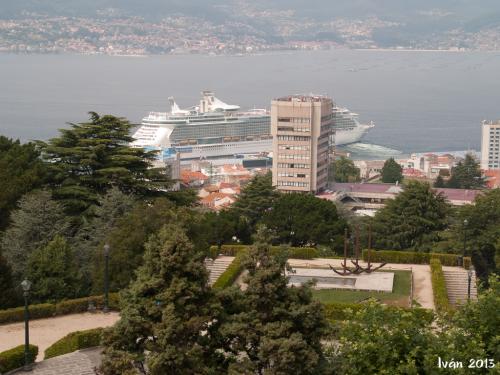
303, 98
497, 122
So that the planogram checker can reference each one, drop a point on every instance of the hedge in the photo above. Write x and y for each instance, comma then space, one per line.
231, 273
347, 311
74, 341
293, 252
14, 358
439, 286
410, 257
48, 310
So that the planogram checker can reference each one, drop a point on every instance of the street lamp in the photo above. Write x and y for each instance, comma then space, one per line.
466, 222
470, 272
26, 286
106, 278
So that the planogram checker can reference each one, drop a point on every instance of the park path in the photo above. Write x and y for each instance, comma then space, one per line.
422, 285
44, 332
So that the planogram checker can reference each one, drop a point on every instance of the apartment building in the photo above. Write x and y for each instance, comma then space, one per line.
490, 145
301, 126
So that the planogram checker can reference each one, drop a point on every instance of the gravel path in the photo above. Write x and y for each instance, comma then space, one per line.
422, 285
44, 332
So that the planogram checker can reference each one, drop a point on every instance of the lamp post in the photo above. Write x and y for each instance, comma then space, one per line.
465, 235
469, 274
26, 286
106, 278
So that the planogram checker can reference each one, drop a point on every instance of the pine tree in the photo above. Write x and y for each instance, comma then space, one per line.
271, 328
34, 224
412, 219
8, 296
21, 171
345, 170
466, 174
53, 272
167, 311
90, 158
439, 183
392, 172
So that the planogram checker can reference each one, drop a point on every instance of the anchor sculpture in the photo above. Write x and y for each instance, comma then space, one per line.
358, 269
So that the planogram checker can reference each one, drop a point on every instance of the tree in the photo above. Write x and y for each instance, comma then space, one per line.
53, 272
33, 225
21, 171
96, 227
90, 158
168, 311
439, 183
8, 297
128, 237
302, 219
412, 219
271, 328
256, 198
392, 172
482, 232
466, 174
219, 227
345, 170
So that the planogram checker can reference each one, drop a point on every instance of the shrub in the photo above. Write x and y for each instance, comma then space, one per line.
14, 358
439, 286
293, 252
44, 310
347, 311
47, 310
410, 257
231, 273
74, 341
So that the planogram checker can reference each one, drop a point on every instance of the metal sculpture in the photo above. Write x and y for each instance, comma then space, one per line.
358, 269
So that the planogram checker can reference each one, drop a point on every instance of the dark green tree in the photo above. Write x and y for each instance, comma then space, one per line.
411, 220
53, 272
128, 237
255, 199
219, 227
21, 171
466, 174
482, 232
345, 170
439, 183
33, 225
168, 311
8, 297
90, 158
392, 172
302, 219
271, 328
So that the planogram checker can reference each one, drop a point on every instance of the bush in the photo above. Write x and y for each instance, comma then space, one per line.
293, 252
410, 257
231, 273
44, 310
439, 286
75, 341
47, 310
14, 358
347, 311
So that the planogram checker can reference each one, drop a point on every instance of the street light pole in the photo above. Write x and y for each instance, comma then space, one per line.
26, 285
106, 278
469, 274
465, 235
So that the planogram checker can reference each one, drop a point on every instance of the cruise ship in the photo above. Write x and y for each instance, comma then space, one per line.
347, 126
209, 130
215, 129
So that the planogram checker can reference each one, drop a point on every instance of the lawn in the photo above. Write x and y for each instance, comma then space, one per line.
398, 297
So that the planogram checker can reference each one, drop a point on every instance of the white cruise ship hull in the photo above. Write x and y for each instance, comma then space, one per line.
223, 149
344, 137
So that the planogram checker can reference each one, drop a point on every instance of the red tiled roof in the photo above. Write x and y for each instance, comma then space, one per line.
189, 176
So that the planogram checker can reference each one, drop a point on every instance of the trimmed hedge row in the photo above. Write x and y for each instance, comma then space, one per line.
14, 358
347, 311
47, 310
412, 257
75, 341
231, 273
293, 252
439, 286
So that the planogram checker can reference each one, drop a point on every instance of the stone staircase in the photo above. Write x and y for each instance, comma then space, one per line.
217, 267
456, 283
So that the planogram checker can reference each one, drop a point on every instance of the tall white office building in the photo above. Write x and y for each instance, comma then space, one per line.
490, 145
